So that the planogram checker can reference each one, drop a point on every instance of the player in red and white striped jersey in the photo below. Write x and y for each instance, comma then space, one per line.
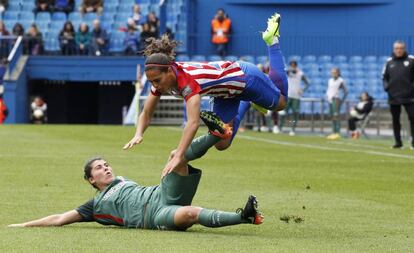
234, 85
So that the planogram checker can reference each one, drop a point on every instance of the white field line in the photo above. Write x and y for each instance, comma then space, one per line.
294, 144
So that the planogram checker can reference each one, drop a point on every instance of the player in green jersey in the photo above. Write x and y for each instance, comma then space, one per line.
123, 202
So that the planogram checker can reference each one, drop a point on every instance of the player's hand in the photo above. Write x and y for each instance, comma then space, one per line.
21, 225
172, 154
172, 164
134, 141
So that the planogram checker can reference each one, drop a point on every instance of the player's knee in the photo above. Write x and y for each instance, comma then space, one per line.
281, 105
220, 146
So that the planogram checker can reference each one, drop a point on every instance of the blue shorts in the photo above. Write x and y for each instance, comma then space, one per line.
259, 90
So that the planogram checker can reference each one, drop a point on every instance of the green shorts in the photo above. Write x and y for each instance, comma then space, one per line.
293, 104
174, 192
334, 107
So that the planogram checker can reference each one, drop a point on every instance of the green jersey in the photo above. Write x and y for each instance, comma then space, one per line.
122, 203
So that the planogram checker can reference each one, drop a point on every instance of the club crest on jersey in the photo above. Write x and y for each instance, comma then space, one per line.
406, 63
186, 91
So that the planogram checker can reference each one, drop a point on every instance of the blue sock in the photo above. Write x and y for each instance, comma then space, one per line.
277, 71
243, 108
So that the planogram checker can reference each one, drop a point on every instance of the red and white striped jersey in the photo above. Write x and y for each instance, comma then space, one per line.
223, 79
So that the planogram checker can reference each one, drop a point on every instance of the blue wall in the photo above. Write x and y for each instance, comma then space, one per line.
317, 27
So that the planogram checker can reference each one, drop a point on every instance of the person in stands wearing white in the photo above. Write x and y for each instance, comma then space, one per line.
359, 112
335, 84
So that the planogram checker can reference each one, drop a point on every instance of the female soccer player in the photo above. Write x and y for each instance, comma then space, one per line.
232, 84
122, 202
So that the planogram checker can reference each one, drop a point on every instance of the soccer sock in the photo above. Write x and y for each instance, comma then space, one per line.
243, 108
200, 145
282, 121
277, 71
215, 219
295, 120
337, 126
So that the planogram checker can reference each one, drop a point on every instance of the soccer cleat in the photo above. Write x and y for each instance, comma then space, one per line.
272, 31
276, 130
251, 212
292, 133
215, 125
397, 146
333, 136
259, 108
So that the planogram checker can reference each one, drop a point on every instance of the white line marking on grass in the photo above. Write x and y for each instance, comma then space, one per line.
370, 152
358, 145
294, 144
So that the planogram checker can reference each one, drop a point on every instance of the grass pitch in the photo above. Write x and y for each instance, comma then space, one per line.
317, 196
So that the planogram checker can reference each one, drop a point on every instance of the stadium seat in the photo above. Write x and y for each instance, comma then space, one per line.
14, 6
371, 66
383, 59
108, 16
327, 66
125, 8
296, 58
247, 58
311, 67
263, 59
355, 59
343, 66
43, 26
57, 25
324, 59
356, 66
201, 58
43, 17
370, 59
182, 58
27, 16
59, 16
127, 2
109, 7
11, 15
214, 58
26, 24
345, 73
309, 59
28, 6
74, 16
313, 73
231, 58
340, 59
114, 2
90, 17
122, 17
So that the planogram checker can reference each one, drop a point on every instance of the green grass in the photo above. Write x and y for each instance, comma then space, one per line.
353, 196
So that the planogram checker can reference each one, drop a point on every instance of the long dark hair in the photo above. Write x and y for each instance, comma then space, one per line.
87, 169
160, 53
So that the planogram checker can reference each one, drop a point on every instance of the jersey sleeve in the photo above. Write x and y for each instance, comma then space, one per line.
155, 92
192, 88
86, 211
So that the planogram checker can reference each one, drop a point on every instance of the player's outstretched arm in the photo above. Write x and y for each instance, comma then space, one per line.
144, 120
52, 220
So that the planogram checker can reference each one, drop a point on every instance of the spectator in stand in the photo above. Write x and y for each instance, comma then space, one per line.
83, 39
91, 6
359, 112
137, 16
154, 24
3, 6
18, 30
43, 6
145, 34
398, 80
38, 113
295, 78
64, 6
220, 31
131, 39
4, 44
335, 85
100, 39
34, 41
67, 39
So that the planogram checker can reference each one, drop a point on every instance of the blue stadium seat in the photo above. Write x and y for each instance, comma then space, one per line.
309, 59
125, 8
113, 2
373, 74
26, 24
43, 16
43, 26
370, 59
107, 25
247, 58
57, 25
27, 16
59, 16
110, 7
198, 58
108, 16
327, 66
356, 66
76, 24
156, 8
14, 6
340, 59
343, 66
324, 59
182, 58
28, 6
90, 17
231, 58
122, 17
263, 59
11, 15
74, 16
127, 2
355, 59
214, 58
311, 66
313, 73
383, 59
345, 73
371, 66
296, 58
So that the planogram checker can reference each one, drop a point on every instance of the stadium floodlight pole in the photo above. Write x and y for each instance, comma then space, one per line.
138, 90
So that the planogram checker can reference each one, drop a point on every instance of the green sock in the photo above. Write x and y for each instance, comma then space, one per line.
295, 120
199, 146
282, 122
215, 219
337, 126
